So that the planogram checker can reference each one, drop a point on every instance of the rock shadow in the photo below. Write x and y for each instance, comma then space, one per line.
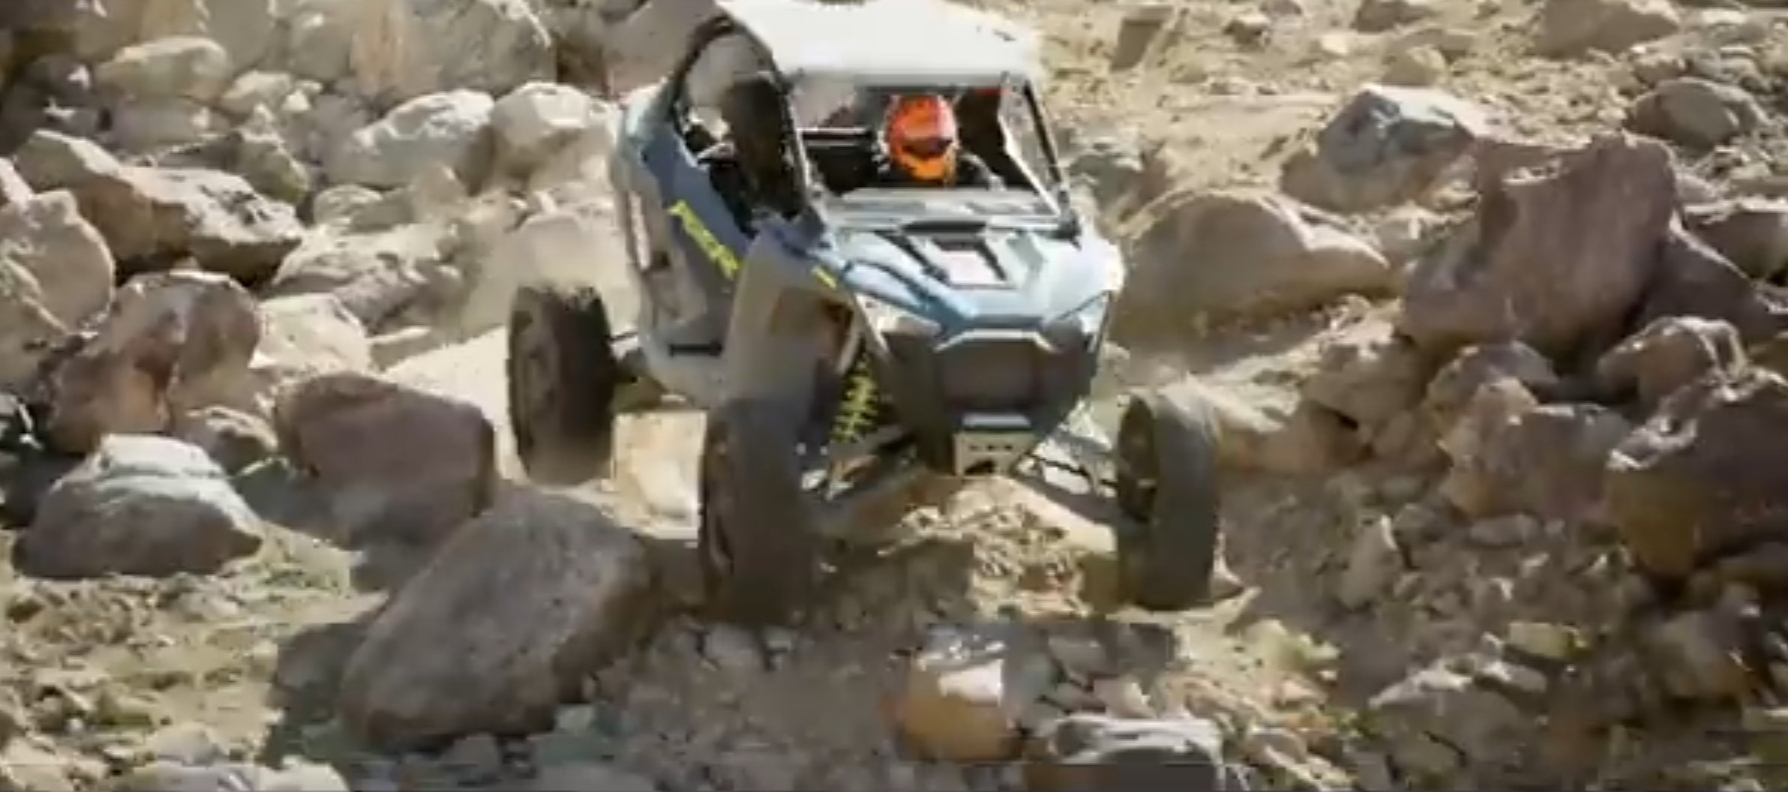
304, 687
285, 496
25, 475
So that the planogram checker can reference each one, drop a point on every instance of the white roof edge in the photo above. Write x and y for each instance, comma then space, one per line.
890, 40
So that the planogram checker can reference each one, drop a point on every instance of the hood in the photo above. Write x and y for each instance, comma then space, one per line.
997, 276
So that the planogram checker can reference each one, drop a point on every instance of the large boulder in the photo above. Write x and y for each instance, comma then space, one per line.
376, 276
400, 49
1696, 113
1693, 279
1555, 259
28, 331
302, 336
50, 160
1706, 475
153, 217
1458, 382
155, 126
55, 272
1667, 354
139, 505
257, 150
170, 342
398, 464
536, 119
1369, 374
309, 335
451, 128
1512, 456
505, 623
1222, 255
1386, 146
176, 67
1271, 429
46, 236
1752, 233
245, 29
1575, 28
236, 440
561, 245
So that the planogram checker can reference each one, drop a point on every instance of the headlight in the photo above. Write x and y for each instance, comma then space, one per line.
1087, 320
887, 318
1077, 329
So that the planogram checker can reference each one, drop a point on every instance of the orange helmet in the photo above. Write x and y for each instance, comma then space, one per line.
921, 136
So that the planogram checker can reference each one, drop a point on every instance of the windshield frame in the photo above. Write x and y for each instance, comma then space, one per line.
1051, 193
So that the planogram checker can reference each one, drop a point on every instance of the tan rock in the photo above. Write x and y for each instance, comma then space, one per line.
505, 623
965, 691
170, 342
398, 464
1557, 260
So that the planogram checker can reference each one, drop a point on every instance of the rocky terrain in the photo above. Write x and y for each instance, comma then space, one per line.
1486, 298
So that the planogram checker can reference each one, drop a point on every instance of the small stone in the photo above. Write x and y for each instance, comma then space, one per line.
1514, 677
965, 691
478, 756
1249, 28
1415, 67
1544, 639
733, 650
1506, 531
1123, 696
575, 718
1372, 564
184, 743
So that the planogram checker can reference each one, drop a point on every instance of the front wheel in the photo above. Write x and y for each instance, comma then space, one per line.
1167, 485
563, 377
758, 540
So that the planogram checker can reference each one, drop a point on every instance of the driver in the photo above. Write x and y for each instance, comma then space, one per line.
920, 147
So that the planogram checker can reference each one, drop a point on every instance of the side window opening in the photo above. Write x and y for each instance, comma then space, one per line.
723, 61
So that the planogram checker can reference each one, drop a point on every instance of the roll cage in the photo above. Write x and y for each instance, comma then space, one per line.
798, 139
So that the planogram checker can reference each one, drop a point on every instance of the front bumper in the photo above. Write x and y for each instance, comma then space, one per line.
980, 400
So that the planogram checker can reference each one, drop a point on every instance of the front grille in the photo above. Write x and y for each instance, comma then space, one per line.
992, 375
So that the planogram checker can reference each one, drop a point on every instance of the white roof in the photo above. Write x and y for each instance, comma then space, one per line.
889, 41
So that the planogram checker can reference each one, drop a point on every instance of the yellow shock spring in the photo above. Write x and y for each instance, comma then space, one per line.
857, 411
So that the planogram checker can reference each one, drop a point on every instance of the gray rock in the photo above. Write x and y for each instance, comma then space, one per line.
139, 505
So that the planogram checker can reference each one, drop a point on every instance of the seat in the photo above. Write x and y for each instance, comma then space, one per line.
728, 177
844, 158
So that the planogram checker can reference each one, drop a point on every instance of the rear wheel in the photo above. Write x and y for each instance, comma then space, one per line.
759, 544
563, 376
1167, 484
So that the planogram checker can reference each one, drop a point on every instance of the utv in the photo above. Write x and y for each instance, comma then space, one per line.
852, 344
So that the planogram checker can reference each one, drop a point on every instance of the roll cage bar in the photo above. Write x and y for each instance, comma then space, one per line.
674, 105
